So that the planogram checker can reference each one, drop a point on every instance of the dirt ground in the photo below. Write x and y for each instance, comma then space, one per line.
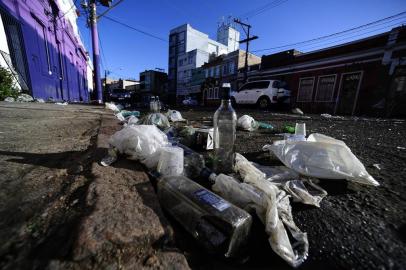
44, 170
49, 172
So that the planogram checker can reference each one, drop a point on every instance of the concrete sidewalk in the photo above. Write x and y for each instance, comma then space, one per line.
60, 209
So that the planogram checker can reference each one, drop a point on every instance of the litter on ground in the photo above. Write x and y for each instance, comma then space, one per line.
322, 157
252, 188
329, 116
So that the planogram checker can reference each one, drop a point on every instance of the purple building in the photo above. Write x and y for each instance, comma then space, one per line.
44, 49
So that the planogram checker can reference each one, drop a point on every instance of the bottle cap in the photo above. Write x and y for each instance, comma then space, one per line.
225, 91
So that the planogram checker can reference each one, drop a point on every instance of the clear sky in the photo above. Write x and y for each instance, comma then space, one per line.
276, 22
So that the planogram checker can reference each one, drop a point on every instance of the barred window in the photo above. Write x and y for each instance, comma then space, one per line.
305, 91
325, 88
213, 93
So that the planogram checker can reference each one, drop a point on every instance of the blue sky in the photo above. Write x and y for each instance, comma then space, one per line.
126, 52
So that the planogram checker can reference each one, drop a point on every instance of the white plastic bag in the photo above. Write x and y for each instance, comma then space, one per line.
246, 122
304, 191
120, 117
24, 98
174, 116
9, 99
322, 157
141, 142
113, 107
132, 120
278, 215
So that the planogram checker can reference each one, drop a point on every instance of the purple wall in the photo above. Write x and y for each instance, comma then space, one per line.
55, 60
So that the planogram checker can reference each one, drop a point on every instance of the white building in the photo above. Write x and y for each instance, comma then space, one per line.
190, 49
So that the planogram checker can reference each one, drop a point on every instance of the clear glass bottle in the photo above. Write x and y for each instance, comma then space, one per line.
224, 122
216, 224
152, 103
158, 104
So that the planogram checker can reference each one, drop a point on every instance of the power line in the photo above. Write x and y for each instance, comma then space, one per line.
342, 35
334, 34
262, 9
372, 31
103, 55
135, 29
110, 8
266, 9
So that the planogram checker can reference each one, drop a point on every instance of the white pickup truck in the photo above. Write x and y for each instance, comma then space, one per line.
264, 93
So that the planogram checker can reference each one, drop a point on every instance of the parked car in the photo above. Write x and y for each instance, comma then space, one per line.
121, 96
189, 101
264, 93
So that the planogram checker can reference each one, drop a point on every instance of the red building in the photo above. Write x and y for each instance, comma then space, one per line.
363, 77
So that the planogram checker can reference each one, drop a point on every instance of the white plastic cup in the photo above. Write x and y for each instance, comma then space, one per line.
300, 129
170, 161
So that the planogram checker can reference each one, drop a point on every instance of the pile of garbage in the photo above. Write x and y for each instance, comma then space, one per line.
217, 207
22, 98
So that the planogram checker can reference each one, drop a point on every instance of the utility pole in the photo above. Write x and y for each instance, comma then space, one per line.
247, 40
96, 51
95, 41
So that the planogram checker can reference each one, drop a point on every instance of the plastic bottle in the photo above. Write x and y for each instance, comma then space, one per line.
225, 123
152, 104
157, 104
215, 223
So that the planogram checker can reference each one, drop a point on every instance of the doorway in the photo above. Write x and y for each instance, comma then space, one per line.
348, 93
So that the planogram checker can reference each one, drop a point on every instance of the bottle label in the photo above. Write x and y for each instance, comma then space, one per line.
209, 198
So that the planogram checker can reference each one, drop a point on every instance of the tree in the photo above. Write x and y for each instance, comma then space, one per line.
7, 85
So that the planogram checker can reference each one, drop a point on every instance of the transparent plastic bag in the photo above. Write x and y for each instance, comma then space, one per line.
24, 98
322, 157
277, 173
132, 120
141, 142
278, 216
305, 191
246, 122
113, 107
120, 117
157, 119
174, 116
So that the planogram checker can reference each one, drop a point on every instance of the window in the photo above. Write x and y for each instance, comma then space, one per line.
181, 47
213, 93
206, 73
43, 43
190, 60
260, 85
276, 84
172, 38
181, 62
225, 69
181, 36
247, 86
60, 58
231, 68
217, 72
325, 88
305, 91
